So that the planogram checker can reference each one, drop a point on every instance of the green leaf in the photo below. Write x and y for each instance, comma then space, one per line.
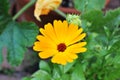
26, 78
44, 66
87, 5
41, 75
113, 17
56, 72
29, 31
4, 6
4, 19
77, 74
1, 56
98, 20
4, 16
68, 66
113, 74
107, 31
113, 57
16, 37
65, 77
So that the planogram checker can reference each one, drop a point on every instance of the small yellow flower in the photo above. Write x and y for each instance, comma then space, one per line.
43, 7
60, 41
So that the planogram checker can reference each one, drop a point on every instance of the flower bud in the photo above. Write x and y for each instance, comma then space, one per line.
74, 19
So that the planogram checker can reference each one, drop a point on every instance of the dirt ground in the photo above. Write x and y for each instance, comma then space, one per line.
19, 73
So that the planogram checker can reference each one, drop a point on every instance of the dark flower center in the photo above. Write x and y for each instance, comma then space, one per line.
61, 47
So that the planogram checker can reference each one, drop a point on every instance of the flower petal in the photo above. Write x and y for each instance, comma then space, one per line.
77, 45
43, 7
49, 33
59, 30
73, 56
60, 33
36, 46
68, 59
73, 32
47, 54
59, 59
78, 38
77, 48
45, 43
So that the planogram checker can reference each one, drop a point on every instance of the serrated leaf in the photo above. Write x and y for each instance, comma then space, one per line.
87, 5
15, 38
29, 31
113, 74
44, 66
4, 19
77, 74
113, 16
113, 58
98, 20
41, 75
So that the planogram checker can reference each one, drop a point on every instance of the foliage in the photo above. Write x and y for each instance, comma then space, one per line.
4, 16
14, 36
87, 5
3, 20
58, 72
98, 19
100, 62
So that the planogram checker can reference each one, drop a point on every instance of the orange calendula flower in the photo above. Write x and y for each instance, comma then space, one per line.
60, 41
43, 7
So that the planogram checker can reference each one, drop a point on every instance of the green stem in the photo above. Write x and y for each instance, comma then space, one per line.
24, 9
60, 12
63, 70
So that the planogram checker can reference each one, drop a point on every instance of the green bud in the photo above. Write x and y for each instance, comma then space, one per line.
89, 24
74, 19
98, 47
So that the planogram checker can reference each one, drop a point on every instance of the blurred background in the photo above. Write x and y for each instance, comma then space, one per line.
113, 3
8, 73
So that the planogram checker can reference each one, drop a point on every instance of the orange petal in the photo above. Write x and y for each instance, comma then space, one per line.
47, 54
78, 38
59, 59
42, 7
49, 33
77, 48
72, 33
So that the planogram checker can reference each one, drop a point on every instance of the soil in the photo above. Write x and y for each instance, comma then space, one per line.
8, 73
